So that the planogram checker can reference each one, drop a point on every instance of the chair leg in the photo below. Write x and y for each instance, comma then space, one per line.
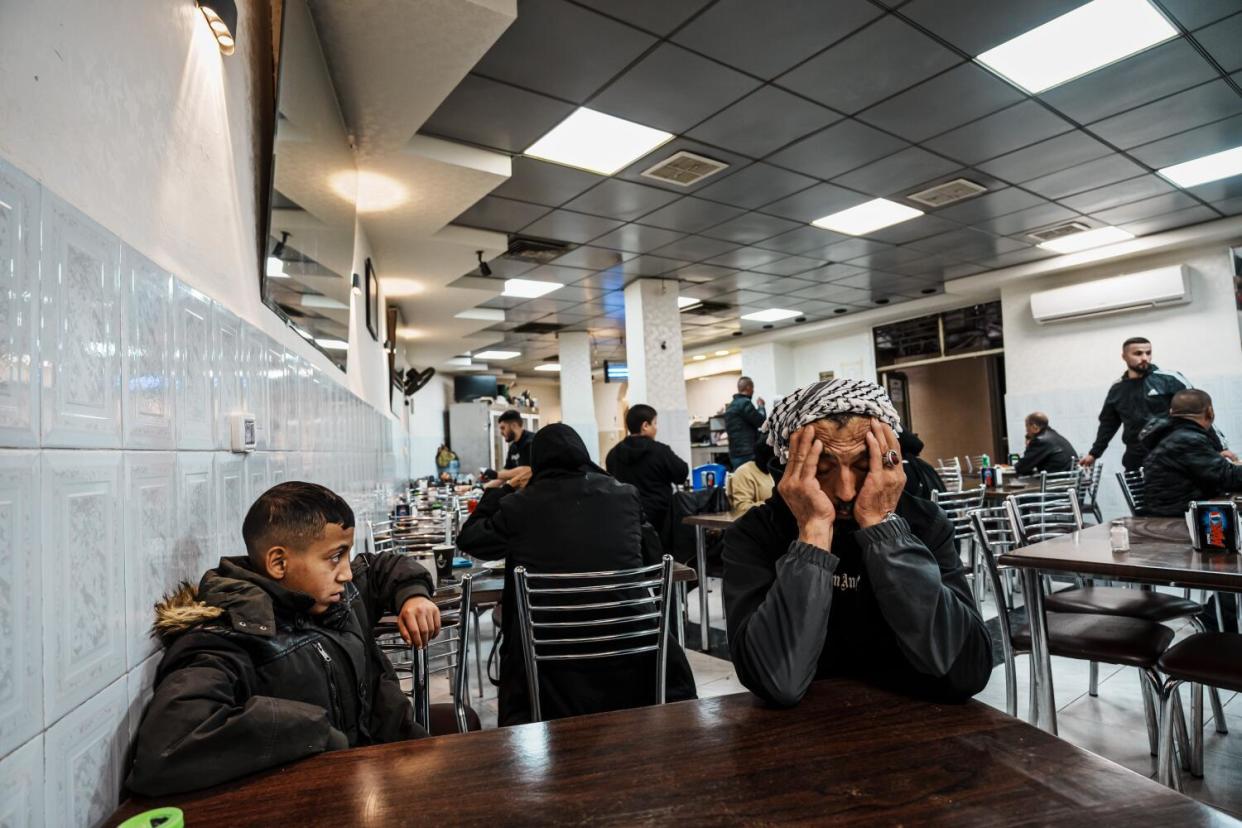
1150, 699
1218, 711
1166, 773
1179, 722
1033, 700
478, 653
1093, 686
1011, 685
1196, 724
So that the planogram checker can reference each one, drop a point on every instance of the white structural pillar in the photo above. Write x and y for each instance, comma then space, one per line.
771, 366
577, 395
654, 358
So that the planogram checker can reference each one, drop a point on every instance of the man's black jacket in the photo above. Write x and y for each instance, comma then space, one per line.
1183, 464
1129, 404
889, 604
652, 468
742, 421
1047, 451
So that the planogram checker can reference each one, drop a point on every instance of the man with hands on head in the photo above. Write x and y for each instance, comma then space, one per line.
843, 574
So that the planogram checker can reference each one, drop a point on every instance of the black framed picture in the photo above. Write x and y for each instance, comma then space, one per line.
372, 297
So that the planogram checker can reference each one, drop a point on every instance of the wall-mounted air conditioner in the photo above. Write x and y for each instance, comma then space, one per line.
1118, 294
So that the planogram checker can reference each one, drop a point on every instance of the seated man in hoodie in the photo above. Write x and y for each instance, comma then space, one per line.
1046, 449
1185, 460
647, 465
272, 657
751, 483
571, 517
843, 574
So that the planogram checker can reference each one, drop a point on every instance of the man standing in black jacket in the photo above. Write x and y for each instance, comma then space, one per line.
843, 574
742, 421
647, 465
1046, 449
1185, 460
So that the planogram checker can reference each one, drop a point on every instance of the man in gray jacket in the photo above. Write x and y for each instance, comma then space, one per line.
841, 573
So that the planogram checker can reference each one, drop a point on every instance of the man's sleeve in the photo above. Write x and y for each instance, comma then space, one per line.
1110, 421
1035, 457
753, 416
486, 534
1211, 471
609, 464
205, 725
390, 580
924, 597
678, 469
777, 615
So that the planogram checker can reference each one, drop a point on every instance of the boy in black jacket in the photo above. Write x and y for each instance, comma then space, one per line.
272, 657
646, 464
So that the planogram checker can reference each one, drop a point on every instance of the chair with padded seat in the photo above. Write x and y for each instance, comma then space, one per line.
1212, 659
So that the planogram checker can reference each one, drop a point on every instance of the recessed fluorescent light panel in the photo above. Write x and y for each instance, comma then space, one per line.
865, 218
498, 356
771, 315
550, 367
1208, 168
1079, 42
529, 288
684, 302
482, 314
597, 142
1087, 239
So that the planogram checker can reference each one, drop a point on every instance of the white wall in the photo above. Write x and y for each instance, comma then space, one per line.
851, 355
1065, 369
427, 408
706, 396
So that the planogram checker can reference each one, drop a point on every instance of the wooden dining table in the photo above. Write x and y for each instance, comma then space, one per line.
1160, 553
719, 521
848, 753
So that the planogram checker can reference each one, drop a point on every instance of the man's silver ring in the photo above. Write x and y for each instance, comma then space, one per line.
891, 459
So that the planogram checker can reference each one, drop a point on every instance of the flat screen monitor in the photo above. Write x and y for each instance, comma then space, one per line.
470, 388
616, 372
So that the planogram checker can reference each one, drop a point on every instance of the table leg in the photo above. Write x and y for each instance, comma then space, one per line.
1041, 661
700, 553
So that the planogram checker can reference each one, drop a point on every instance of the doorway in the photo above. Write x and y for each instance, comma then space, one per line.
956, 406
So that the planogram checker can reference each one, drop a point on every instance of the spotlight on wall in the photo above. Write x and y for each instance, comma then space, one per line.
355, 285
484, 269
222, 17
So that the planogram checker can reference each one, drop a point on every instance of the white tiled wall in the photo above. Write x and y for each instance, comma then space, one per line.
116, 383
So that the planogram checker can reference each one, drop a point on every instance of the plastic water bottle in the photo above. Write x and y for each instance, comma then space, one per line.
985, 461
1119, 536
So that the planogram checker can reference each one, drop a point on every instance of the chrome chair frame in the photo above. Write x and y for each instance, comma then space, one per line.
950, 473
958, 506
1089, 490
1132, 483
1059, 481
656, 581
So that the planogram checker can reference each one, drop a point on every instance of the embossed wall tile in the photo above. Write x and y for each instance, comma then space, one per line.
278, 397
193, 377
21, 795
258, 478
147, 354
295, 379
232, 501
139, 688
256, 383
153, 567
84, 760
83, 577
226, 363
79, 330
21, 641
196, 508
19, 308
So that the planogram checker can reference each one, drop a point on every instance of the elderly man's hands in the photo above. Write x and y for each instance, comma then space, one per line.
801, 491
884, 484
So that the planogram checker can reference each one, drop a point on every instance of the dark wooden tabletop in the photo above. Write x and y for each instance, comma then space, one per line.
848, 753
715, 520
1160, 552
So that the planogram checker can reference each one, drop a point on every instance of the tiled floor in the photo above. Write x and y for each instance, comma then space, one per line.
1110, 724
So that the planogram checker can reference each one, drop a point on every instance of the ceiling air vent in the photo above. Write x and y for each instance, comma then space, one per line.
684, 168
539, 251
1058, 231
537, 328
707, 308
958, 189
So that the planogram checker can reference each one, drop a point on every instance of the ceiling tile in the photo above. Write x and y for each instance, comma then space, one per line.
702, 273
889, 258
1115, 195
658, 16
898, 173
1016, 257
1193, 143
1218, 190
1223, 41
1032, 218
945, 102
1230, 207
895, 56
505, 268
562, 50
566, 225
999, 133
977, 25
835, 294
576, 293
480, 111
1176, 113
989, 205
1107, 170
1045, 157
852, 249
838, 149
1195, 13
816, 202
790, 265
544, 183
556, 273
592, 258
637, 238
695, 248
649, 266
623, 200
647, 94
756, 185
634, 172
1170, 221
691, 214
806, 239
1145, 209
745, 257
1159, 71
750, 228
915, 228
765, 120
767, 38
505, 215
967, 244
882, 284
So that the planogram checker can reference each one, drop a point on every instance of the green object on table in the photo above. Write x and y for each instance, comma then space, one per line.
158, 818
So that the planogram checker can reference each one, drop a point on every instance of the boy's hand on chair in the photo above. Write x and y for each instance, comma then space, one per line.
419, 621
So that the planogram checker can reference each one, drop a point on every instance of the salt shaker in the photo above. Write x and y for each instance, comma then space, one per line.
1119, 536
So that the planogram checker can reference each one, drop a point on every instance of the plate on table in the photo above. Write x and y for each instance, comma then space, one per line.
495, 566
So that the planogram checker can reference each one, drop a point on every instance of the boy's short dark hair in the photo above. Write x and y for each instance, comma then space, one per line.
637, 416
510, 416
291, 514
1135, 340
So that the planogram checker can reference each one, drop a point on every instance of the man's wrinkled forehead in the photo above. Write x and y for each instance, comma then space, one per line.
844, 442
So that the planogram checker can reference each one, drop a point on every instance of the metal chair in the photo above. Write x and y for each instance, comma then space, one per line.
974, 462
958, 506
951, 473
580, 616
1059, 481
1208, 658
1089, 490
1132, 484
1041, 516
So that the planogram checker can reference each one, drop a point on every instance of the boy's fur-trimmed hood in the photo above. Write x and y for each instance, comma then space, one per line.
180, 610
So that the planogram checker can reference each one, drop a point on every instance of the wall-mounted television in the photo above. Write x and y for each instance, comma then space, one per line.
468, 388
616, 372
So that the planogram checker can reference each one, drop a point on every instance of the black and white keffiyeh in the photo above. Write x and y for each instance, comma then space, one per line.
818, 401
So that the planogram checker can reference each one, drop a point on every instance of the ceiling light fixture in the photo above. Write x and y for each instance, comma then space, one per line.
770, 315
332, 344
1218, 165
699, 357
550, 367
482, 314
484, 268
1086, 240
867, 217
596, 142
529, 288
722, 353
684, 302
222, 18
1077, 43
499, 356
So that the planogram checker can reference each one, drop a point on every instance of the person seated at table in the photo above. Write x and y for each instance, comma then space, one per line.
921, 477
271, 657
647, 464
517, 459
751, 484
1185, 459
1046, 449
842, 573
571, 516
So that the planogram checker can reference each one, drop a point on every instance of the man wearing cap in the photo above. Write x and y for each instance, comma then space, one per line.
843, 574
